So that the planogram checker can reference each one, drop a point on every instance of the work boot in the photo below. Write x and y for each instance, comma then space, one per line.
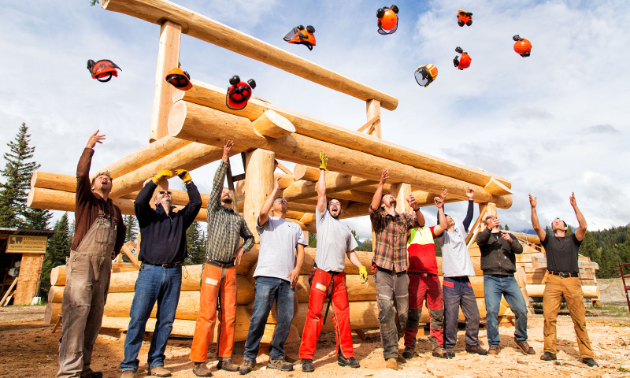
548, 356
227, 365
201, 370
280, 364
434, 342
524, 346
307, 366
494, 350
476, 349
159, 371
127, 374
408, 353
450, 352
391, 364
247, 366
91, 374
590, 362
342, 361
440, 352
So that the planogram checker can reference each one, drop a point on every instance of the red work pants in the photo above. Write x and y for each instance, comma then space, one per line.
215, 280
420, 289
340, 316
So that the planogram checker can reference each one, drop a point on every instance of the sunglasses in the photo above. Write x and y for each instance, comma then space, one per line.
165, 192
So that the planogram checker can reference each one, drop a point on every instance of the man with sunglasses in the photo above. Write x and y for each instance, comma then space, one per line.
498, 263
391, 263
276, 276
218, 280
162, 253
334, 243
99, 234
563, 281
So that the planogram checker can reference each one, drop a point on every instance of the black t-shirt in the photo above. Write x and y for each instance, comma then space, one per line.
562, 253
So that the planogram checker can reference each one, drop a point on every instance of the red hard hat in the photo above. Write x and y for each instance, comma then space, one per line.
239, 93
102, 70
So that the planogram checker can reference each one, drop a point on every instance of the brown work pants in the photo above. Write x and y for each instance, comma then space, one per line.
215, 283
84, 295
571, 288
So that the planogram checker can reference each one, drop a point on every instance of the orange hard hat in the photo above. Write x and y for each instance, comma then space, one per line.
302, 36
522, 46
426, 74
102, 70
179, 78
464, 18
387, 19
463, 61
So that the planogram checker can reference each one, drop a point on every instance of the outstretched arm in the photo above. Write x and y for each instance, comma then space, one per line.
470, 193
219, 177
321, 184
84, 187
580, 231
533, 201
437, 230
266, 207
376, 200
414, 206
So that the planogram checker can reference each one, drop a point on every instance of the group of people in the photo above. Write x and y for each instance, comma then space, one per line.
404, 265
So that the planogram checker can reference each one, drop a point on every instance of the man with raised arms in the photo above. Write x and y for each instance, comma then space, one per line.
563, 280
276, 276
390, 263
334, 243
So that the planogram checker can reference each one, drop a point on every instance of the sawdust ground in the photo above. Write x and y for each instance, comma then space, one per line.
29, 349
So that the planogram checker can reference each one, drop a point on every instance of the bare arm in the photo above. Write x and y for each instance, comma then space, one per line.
376, 200
295, 273
437, 230
533, 201
580, 231
414, 206
321, 191
266, 207
354, 259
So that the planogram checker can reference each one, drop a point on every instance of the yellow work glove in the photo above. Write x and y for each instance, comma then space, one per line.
363, 274
164, 173
323, 161
183, 174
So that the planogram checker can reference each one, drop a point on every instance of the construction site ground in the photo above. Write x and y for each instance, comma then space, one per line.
28, 348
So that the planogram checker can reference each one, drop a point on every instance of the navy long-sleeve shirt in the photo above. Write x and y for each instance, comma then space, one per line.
164, 235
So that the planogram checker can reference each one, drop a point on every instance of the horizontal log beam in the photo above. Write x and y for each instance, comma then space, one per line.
214, 97
208, 30
206, 125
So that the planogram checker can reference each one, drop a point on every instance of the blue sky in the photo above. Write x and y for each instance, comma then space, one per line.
552, 123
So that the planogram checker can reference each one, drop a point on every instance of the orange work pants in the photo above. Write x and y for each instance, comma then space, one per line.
215, 282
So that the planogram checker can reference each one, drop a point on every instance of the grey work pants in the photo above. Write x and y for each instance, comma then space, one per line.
392, 297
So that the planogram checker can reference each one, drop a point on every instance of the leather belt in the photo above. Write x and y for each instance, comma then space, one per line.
564, 274
423, 274
390, 272
166, 266
220, 264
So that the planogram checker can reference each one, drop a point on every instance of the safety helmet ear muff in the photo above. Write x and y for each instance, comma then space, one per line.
380, 13
310, 29
252, 83
300, 27
459, 50
394, 8
517, 38
460, 23
469, 23
456, 61
235, 80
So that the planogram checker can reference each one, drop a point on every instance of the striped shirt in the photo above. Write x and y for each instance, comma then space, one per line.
391, 239
225, 227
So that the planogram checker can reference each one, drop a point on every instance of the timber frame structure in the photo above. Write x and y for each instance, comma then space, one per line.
187, 131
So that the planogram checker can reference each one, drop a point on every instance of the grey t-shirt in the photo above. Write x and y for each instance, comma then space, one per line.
334, 239
278, 240
456, 260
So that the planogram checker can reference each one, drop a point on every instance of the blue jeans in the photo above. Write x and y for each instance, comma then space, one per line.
267, 290
153, 283
495, 287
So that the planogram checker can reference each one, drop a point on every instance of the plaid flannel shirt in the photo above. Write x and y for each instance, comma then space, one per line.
225, 227
391, 239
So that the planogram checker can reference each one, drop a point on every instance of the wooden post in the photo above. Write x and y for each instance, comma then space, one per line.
6, 295
401, 191
168, 58
258, 186
373, 108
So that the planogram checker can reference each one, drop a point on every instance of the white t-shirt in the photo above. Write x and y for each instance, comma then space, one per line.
456, 260
278, 240
334, 239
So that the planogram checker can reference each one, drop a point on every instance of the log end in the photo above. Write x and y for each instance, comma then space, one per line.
303, 172
273, 125
176, 118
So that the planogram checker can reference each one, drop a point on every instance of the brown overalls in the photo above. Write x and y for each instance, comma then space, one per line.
87, 281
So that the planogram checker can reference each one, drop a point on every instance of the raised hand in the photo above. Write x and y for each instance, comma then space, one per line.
183, 174
470, 193
276, 183
533, 201
438, 202
384, 176
95, 138
494, 222
323, 161
227, 147
411, 200
164, 173
444, 194
572, 200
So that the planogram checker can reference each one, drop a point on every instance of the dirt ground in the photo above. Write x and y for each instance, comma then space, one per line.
29, 349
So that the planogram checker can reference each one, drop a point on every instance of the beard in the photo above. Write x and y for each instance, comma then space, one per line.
226, 200
393, 204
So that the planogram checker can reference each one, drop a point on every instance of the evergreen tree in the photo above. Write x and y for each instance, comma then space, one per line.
132, 228
13, 192
569, 230
366, 246
312, 240
57, 250
507, 228
196, 242
626, 249
438, 249
548, 231
588, 248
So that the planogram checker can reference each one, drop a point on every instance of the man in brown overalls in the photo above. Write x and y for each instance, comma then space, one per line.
99, 234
